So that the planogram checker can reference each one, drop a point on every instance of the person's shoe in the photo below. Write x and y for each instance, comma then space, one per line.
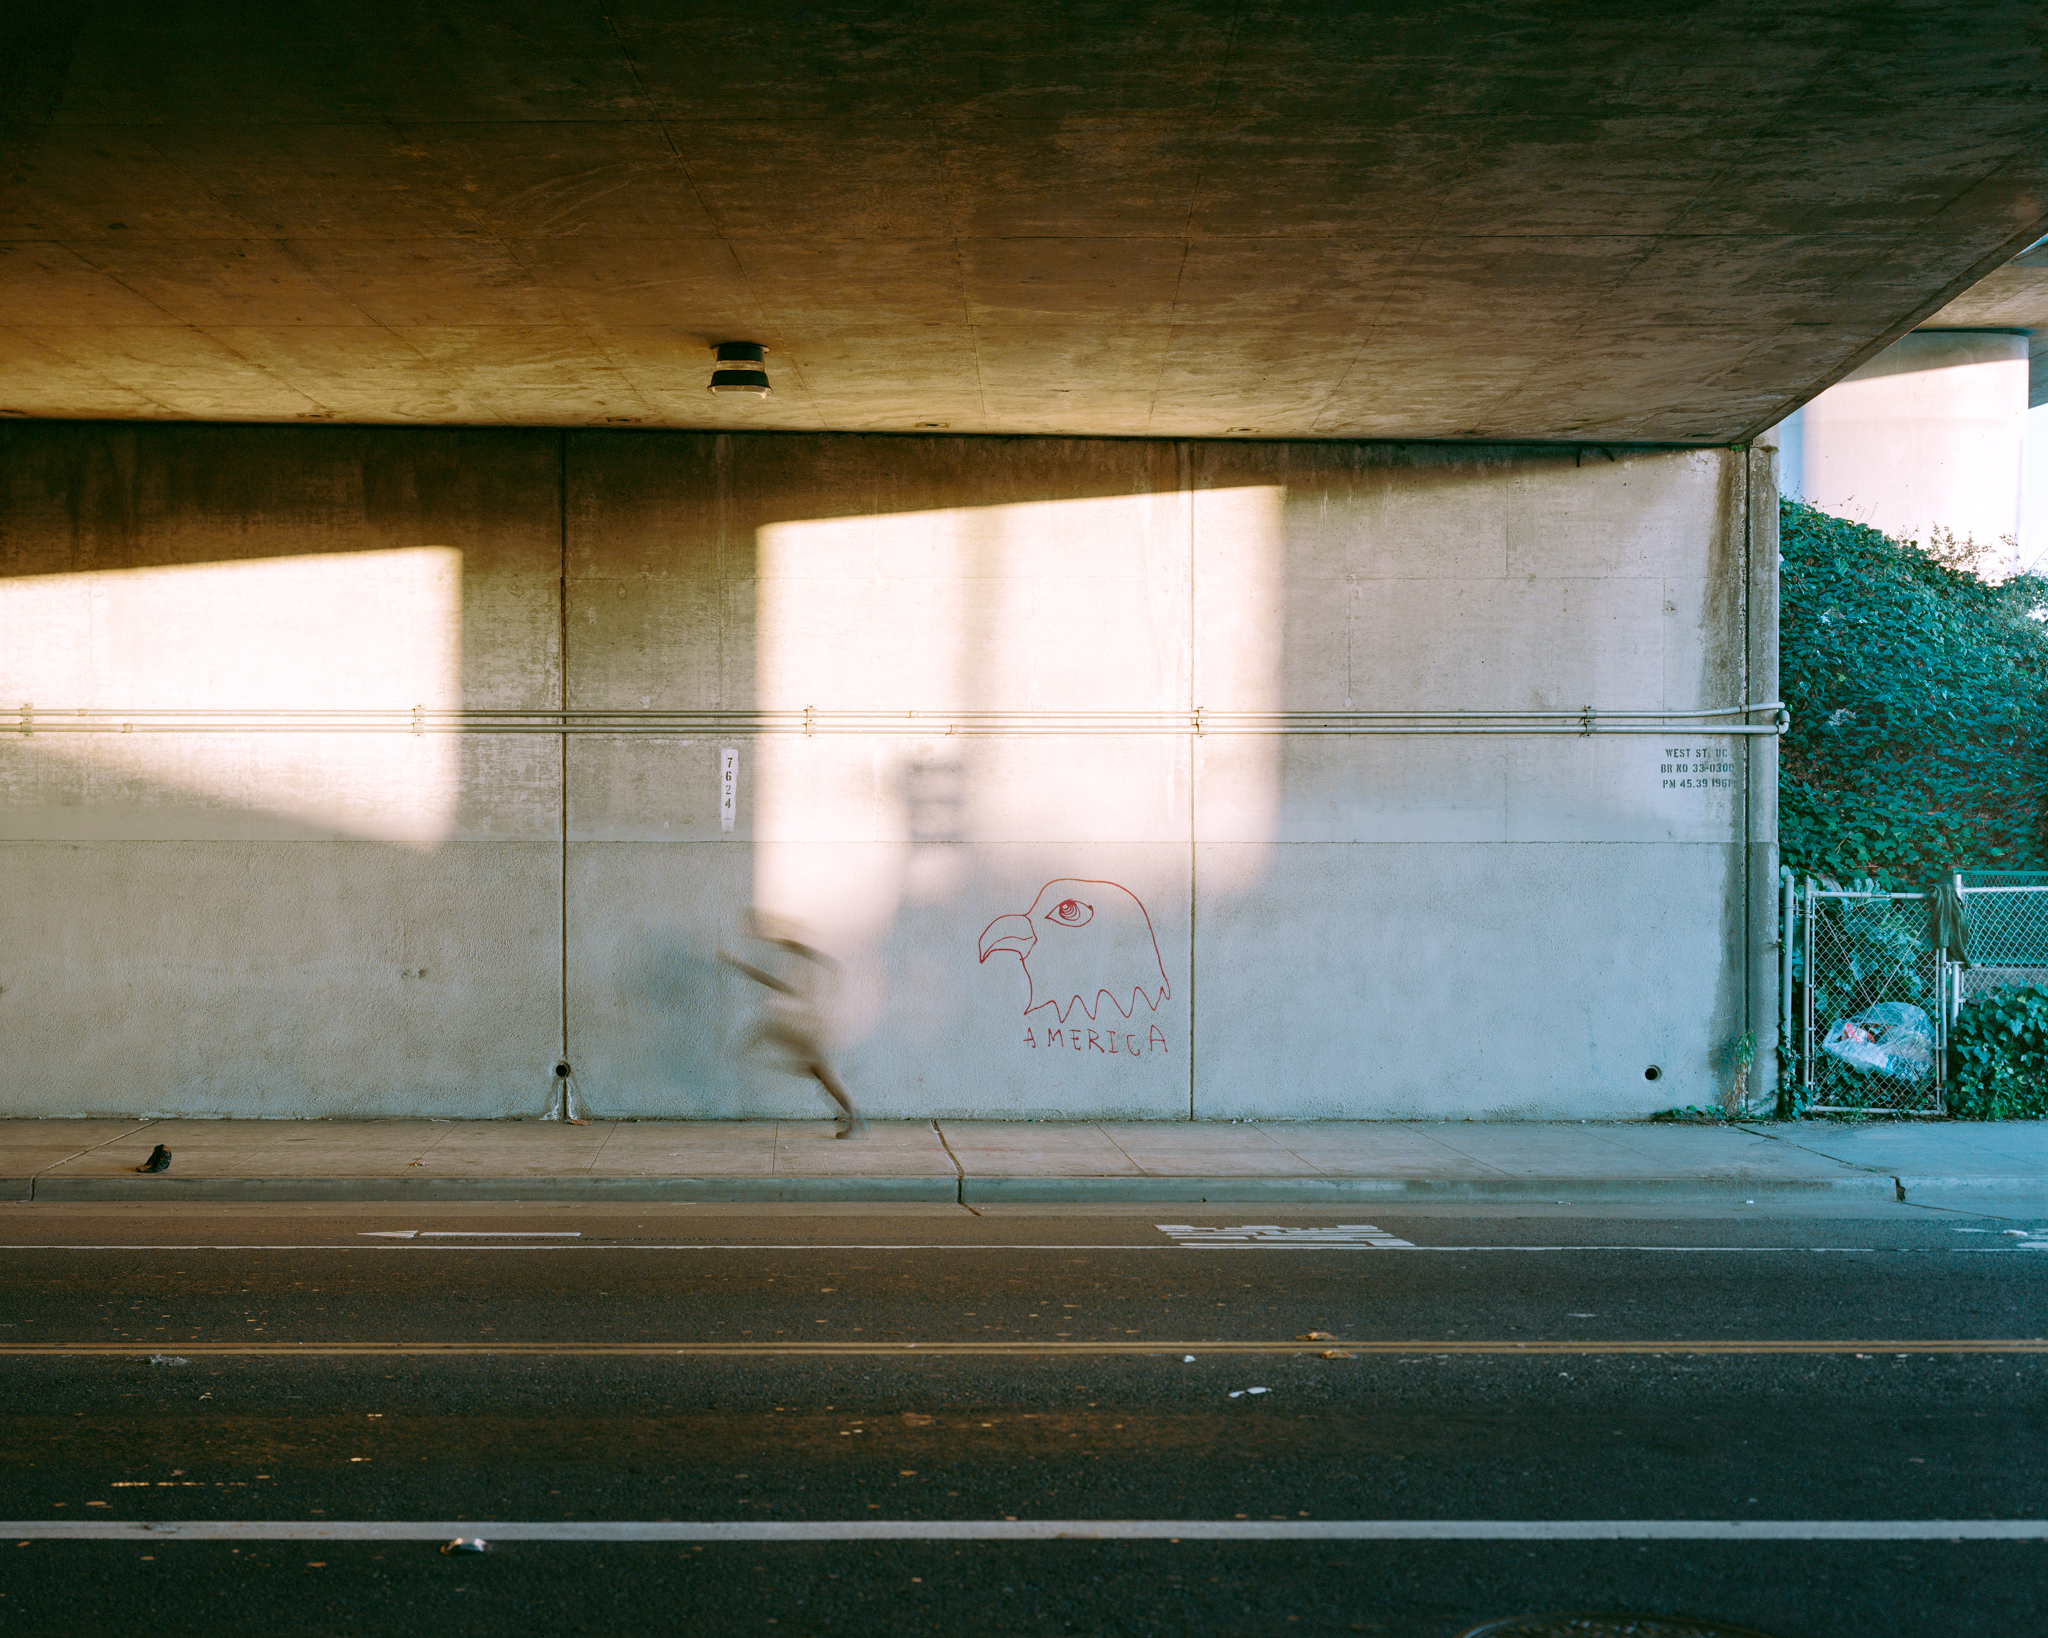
159, 1160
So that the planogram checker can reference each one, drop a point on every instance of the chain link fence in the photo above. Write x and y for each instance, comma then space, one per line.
2006, 912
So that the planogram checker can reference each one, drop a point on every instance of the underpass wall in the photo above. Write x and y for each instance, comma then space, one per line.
986, 702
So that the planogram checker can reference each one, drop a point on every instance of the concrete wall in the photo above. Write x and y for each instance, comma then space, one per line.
1930, 434
308, 923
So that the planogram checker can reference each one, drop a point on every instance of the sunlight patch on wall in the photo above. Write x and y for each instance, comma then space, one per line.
1040, 617
1240, 632
351, 631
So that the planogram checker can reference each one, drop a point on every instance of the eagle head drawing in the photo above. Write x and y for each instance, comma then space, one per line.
1081, 941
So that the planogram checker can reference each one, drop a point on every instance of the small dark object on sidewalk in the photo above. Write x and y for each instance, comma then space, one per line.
159, 1160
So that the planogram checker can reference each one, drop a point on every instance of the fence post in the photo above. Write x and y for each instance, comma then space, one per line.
1944, 981
1788, 925
1955, 1000
1806, 1006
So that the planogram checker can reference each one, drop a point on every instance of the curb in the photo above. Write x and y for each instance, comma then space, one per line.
979, 1191
2033, 1187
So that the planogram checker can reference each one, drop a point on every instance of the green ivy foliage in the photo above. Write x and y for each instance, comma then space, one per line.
1998, 1057
1919, 700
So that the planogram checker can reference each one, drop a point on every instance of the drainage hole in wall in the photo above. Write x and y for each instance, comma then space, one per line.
1653, 1073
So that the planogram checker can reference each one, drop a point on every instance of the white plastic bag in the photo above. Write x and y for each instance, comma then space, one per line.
1892, 1038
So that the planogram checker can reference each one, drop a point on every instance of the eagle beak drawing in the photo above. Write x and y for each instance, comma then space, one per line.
1013, 933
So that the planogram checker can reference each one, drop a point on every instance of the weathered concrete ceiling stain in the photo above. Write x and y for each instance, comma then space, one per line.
1486, 219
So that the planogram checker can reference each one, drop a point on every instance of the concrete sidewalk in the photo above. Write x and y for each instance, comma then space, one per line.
982, 1162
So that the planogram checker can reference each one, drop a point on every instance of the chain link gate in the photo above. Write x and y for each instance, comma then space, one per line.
1862, 948
1848, 949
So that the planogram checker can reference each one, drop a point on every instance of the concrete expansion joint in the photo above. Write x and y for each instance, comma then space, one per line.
959, 1171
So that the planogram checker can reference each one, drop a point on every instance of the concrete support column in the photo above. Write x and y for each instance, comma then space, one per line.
1930, 434
1760, 782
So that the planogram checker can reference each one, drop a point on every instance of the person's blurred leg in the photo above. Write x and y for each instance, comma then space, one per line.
852, 1122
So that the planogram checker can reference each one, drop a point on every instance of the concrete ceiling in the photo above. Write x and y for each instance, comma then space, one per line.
1281, 218
2015, 297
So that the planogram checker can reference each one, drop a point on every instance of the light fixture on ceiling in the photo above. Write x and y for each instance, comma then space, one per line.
741, 367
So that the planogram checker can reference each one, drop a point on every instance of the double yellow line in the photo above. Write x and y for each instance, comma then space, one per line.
1321, 1347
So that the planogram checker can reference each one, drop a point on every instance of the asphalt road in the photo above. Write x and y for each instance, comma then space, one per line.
581, 1373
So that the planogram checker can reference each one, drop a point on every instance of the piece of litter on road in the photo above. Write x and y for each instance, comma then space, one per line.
1239, 1393
466, 1544
1187, 1359
1317, 1336
167, 1359
1336, 1353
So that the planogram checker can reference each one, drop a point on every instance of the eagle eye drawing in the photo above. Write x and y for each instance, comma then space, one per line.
1081, 941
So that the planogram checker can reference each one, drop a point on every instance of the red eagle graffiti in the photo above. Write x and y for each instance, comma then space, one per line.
1081, 941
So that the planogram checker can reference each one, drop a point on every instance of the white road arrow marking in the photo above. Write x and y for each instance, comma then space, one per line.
1272, 1235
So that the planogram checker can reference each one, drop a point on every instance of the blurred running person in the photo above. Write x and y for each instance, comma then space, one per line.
791, 1028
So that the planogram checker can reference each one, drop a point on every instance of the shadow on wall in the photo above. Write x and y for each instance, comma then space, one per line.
690, 1009
236, 919
1061, 606
1006, 592
1385, 926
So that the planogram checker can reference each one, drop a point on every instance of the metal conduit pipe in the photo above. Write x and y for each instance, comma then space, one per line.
422, 720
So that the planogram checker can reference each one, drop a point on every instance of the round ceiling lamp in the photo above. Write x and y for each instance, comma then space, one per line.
741, 367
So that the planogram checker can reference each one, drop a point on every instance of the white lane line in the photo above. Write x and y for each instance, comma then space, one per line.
1049, 1530
594, 1245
